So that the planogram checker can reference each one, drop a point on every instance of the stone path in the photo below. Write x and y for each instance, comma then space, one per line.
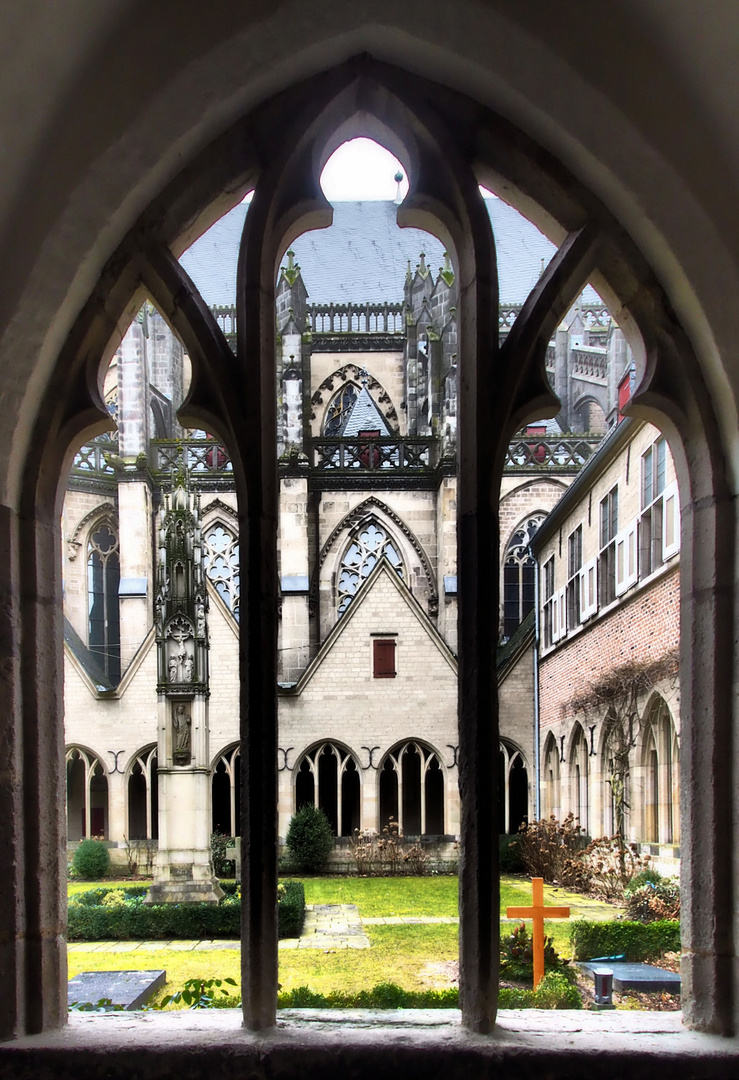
327, 926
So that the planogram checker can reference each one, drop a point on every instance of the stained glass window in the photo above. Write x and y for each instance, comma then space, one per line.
518, 576
339, 409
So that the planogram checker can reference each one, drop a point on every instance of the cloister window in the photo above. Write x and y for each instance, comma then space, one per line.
368, 545
328, 777
412, 790
143, 796
221, 561
519, 573
226, 793
87, 795
513, 787
103, 578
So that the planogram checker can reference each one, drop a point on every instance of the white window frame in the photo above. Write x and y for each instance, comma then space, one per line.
670, 519
589, 590
626, 558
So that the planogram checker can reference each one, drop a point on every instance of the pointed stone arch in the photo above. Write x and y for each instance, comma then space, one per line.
331, 385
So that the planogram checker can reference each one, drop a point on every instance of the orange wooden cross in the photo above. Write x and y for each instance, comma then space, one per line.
537, 911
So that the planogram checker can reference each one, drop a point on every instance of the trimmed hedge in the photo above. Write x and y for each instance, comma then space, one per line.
637, 941
121, 915
555, 992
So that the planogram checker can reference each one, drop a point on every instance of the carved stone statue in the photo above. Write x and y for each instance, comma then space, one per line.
188, 668
181, 728
200, 619
173, 666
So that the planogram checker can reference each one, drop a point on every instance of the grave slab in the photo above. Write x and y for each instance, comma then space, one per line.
131, 989
646, 978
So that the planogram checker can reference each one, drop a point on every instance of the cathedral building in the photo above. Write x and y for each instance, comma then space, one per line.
367, 468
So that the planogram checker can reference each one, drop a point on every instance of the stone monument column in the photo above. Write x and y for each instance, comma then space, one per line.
184, 867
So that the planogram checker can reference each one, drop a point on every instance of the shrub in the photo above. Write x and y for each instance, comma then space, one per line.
549, 849
91, 916
635, 940
555, 992
222, 867
91, 860
517, 954
386, 853
309, 839
291, 910
510, 861
653, 901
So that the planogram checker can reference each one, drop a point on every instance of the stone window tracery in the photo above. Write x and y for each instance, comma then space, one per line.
328, 778
339, 408
519, 572
412, 790
369, 544
221, 561
103, 605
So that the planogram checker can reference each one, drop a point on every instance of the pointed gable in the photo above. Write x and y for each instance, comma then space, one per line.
364, 416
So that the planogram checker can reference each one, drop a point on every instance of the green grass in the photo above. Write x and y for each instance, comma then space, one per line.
403, 954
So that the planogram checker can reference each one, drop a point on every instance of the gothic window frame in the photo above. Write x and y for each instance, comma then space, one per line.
228, 756
344, 756
518, 556
108, 649
428, 755
337, 410
230, 593
359, 558
93, 766
144, 759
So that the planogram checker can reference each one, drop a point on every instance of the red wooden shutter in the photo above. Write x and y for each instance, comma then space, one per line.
384, 659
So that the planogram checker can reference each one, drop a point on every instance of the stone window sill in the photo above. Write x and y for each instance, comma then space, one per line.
407, 1043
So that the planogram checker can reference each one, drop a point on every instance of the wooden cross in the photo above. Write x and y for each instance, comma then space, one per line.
536, 912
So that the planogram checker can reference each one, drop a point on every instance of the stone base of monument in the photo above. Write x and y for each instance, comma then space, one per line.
184, 892
124, 989
645, 978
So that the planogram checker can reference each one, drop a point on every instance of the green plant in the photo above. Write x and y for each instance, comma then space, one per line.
309, 839
122, 915
219, 844
199, 993
653, 900
634, 940
386, 853
510, 861
517, 954
555, 991
91, 860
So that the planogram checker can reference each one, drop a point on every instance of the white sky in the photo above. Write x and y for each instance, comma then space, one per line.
360, 170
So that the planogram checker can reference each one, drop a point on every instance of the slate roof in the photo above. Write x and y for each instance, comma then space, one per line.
87, 660
364, 256
364, 416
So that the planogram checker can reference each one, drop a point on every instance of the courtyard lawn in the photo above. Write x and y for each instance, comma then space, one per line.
413, 956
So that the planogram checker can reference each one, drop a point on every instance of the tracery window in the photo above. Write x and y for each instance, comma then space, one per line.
328, 778
339, 408
87, 795
103, 579
412, 790
369, 544
519, 572
221, 561
143, 796
226, 793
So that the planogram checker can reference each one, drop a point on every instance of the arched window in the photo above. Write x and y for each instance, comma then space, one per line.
221, 561
226, 793
580, 778
328, 778
87, 795
660, 779
513, 788
339, 408
519, 572
369, 543
551, 799
143, 796
103, 579
412, 790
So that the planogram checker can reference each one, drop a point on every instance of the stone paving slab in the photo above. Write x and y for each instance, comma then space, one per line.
333, 926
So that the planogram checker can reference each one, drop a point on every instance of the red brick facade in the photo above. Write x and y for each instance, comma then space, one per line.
643, 626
